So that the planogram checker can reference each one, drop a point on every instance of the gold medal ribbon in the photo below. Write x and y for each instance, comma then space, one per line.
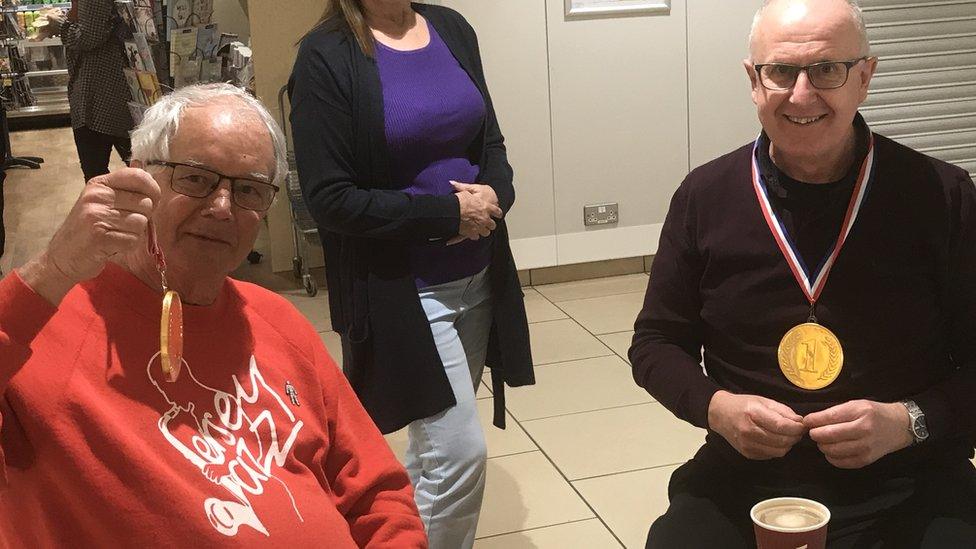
810, 355
171, 320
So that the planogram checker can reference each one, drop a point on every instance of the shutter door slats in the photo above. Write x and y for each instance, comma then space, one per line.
913, 126
907, 96
935, 77
913, 62
924, 94
955, 27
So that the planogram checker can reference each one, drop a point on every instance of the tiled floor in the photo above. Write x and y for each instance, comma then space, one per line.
587, 455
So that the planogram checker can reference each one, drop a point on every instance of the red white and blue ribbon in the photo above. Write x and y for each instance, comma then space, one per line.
812, 283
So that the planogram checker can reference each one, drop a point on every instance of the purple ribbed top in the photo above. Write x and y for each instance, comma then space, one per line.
433, 112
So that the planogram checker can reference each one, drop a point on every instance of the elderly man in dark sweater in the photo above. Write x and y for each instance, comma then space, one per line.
826, 274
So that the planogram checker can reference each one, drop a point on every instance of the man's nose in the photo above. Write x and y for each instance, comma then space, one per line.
220, 202
803, 91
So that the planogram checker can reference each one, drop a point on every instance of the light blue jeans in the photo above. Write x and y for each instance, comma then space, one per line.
446, 457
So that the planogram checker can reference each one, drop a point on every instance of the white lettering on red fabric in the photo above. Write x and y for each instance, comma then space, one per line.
234, 439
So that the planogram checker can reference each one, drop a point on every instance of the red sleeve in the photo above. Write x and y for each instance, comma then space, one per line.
371, 487
22, 315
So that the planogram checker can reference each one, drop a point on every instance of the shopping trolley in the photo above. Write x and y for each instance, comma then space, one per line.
304, 230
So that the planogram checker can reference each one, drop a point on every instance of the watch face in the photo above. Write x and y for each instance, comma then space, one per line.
918, 427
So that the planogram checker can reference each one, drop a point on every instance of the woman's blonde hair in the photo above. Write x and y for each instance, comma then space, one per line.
351, 14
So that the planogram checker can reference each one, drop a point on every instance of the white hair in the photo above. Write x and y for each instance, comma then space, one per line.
150, 140
857, 15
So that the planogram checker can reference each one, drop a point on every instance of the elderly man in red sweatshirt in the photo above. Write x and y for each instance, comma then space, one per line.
228, 424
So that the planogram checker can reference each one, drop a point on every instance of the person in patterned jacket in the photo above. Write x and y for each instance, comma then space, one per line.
97, 90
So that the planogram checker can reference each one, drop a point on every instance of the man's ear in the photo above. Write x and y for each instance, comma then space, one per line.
753, 79
136, 164
870, 65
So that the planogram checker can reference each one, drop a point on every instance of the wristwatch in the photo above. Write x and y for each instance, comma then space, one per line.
917, 426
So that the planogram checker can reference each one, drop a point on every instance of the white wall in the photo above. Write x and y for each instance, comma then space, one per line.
630, 106
598, 110
230, 17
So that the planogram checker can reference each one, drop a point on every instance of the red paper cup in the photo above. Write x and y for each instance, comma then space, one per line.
790, 523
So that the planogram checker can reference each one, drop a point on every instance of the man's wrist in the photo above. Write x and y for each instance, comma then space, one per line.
44, 277
917, 427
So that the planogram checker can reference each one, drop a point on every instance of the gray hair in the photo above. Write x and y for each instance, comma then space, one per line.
857, 15
150, 140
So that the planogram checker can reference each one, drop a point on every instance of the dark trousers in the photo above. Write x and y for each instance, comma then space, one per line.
94, 150
933, 508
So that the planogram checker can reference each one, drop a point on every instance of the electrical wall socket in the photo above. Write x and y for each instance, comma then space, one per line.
601, 214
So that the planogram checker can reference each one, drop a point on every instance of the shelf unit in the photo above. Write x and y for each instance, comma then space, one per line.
48, 85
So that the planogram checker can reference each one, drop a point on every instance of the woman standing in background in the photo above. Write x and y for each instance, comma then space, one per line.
403, 166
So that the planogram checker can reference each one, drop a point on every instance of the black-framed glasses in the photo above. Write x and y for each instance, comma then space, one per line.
197, 182
826, 75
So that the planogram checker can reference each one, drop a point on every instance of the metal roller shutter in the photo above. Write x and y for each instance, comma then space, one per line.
924, 94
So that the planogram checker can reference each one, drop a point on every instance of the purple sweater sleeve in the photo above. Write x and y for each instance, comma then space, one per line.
666, 349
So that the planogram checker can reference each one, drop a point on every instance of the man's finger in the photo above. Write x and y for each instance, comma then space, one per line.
127, 201
835, 432
843, 450
130, 179
773, 422
456, 240
782, 409
495, 211
842, 413
760, 451
775, 440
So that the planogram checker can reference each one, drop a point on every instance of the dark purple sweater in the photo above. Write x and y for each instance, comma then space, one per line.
900, 298
433, 114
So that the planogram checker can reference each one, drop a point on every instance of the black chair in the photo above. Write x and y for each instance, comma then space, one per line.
9, 160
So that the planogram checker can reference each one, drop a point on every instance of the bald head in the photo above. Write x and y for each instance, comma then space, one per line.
790, 20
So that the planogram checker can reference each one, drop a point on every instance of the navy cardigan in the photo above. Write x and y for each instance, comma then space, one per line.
366, 226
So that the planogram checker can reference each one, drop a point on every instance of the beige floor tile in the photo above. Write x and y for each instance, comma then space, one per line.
585, 534
618, 342
540, 309
525, 491
599, 287
578, 386
629, 502
604, 315
334, 345
501, 442
562, 340
614, 441
315, 309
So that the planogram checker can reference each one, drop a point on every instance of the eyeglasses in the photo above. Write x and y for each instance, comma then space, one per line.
198, 182
827, 75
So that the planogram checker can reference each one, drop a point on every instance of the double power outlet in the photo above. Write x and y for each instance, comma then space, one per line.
601, 214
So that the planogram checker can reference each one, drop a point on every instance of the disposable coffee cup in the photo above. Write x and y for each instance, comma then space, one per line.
790, 523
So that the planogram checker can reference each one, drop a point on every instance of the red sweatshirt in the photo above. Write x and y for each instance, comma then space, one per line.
259, 442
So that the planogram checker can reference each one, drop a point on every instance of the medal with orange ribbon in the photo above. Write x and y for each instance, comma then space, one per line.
810, 355
171, 321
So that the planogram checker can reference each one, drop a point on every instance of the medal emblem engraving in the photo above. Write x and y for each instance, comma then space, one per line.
810, 356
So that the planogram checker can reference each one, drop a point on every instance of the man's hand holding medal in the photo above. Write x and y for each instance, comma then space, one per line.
109, 218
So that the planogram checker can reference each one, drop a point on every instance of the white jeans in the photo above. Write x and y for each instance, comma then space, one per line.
446, 457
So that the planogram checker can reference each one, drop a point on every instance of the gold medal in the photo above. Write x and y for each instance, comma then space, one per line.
171, 336
810, 356
171, 320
